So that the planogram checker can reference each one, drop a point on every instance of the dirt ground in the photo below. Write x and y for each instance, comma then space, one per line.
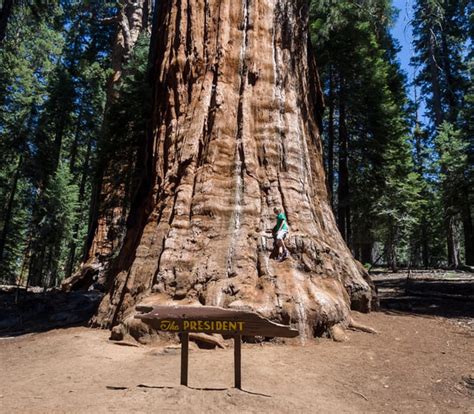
416, 364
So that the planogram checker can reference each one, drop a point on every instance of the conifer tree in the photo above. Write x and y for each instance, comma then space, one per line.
440, 29
55, 228
453, 168
368, 119
26, 62
53, 69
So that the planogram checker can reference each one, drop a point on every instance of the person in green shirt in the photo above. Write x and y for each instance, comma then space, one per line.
279, 233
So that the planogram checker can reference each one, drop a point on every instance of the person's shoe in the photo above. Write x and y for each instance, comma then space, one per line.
284, 256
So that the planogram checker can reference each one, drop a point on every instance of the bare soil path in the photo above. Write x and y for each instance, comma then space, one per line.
417, 364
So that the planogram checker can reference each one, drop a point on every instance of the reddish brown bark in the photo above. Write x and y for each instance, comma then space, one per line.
235, 133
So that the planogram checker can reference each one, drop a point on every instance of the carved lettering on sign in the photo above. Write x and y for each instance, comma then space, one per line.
169, 326
202, 326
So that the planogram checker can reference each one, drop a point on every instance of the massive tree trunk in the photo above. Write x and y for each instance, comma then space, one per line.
235, 133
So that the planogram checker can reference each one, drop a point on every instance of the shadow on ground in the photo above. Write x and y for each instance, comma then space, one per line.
449, 295
434, 294
167, 387
23, 312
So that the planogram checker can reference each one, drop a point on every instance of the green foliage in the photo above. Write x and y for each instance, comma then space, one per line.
12, 261
355, 49
440, 30
57, 215
398, 208
442, 60
130, 113
404, 179
26, 62
467, 122
452, 165
54, 65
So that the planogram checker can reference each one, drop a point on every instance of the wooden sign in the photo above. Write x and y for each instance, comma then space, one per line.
210, 319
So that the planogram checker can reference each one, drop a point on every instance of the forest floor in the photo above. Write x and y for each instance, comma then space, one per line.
422, 361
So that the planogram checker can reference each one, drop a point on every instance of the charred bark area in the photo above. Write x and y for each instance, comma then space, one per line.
235, 133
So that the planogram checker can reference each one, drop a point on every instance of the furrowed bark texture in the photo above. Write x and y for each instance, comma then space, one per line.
237, 104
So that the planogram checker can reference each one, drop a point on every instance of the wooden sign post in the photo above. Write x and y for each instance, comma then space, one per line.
210, 319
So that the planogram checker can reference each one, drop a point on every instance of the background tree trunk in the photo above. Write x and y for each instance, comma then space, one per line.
109, 207
5, 13
467, 229
343, 205
235, 133
82, 189
9, 208
449, 221
330, 161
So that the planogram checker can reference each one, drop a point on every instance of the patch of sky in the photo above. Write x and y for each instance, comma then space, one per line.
402, 31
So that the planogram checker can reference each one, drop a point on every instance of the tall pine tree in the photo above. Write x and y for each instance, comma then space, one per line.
367, 126
441, 30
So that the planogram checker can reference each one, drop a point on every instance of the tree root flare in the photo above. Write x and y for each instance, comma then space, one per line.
356, 326
208, 339
337, 333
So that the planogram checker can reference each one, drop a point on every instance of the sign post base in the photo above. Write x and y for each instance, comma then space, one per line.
211, 319
237, 362
184, 358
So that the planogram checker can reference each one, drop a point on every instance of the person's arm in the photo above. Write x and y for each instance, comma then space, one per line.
276, 229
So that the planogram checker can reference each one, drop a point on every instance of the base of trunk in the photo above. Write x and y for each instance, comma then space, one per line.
288, 292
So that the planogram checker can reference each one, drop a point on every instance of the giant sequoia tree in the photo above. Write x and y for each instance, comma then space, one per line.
236, 115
